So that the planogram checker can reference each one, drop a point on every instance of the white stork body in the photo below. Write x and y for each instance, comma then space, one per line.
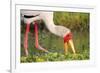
47, 17
29, 16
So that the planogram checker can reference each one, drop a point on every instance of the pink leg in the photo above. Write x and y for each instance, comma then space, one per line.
36, 38
36, 34
26, 39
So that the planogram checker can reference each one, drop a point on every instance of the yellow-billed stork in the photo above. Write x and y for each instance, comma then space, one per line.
30, 16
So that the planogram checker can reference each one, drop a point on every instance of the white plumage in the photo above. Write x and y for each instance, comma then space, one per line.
47, 17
